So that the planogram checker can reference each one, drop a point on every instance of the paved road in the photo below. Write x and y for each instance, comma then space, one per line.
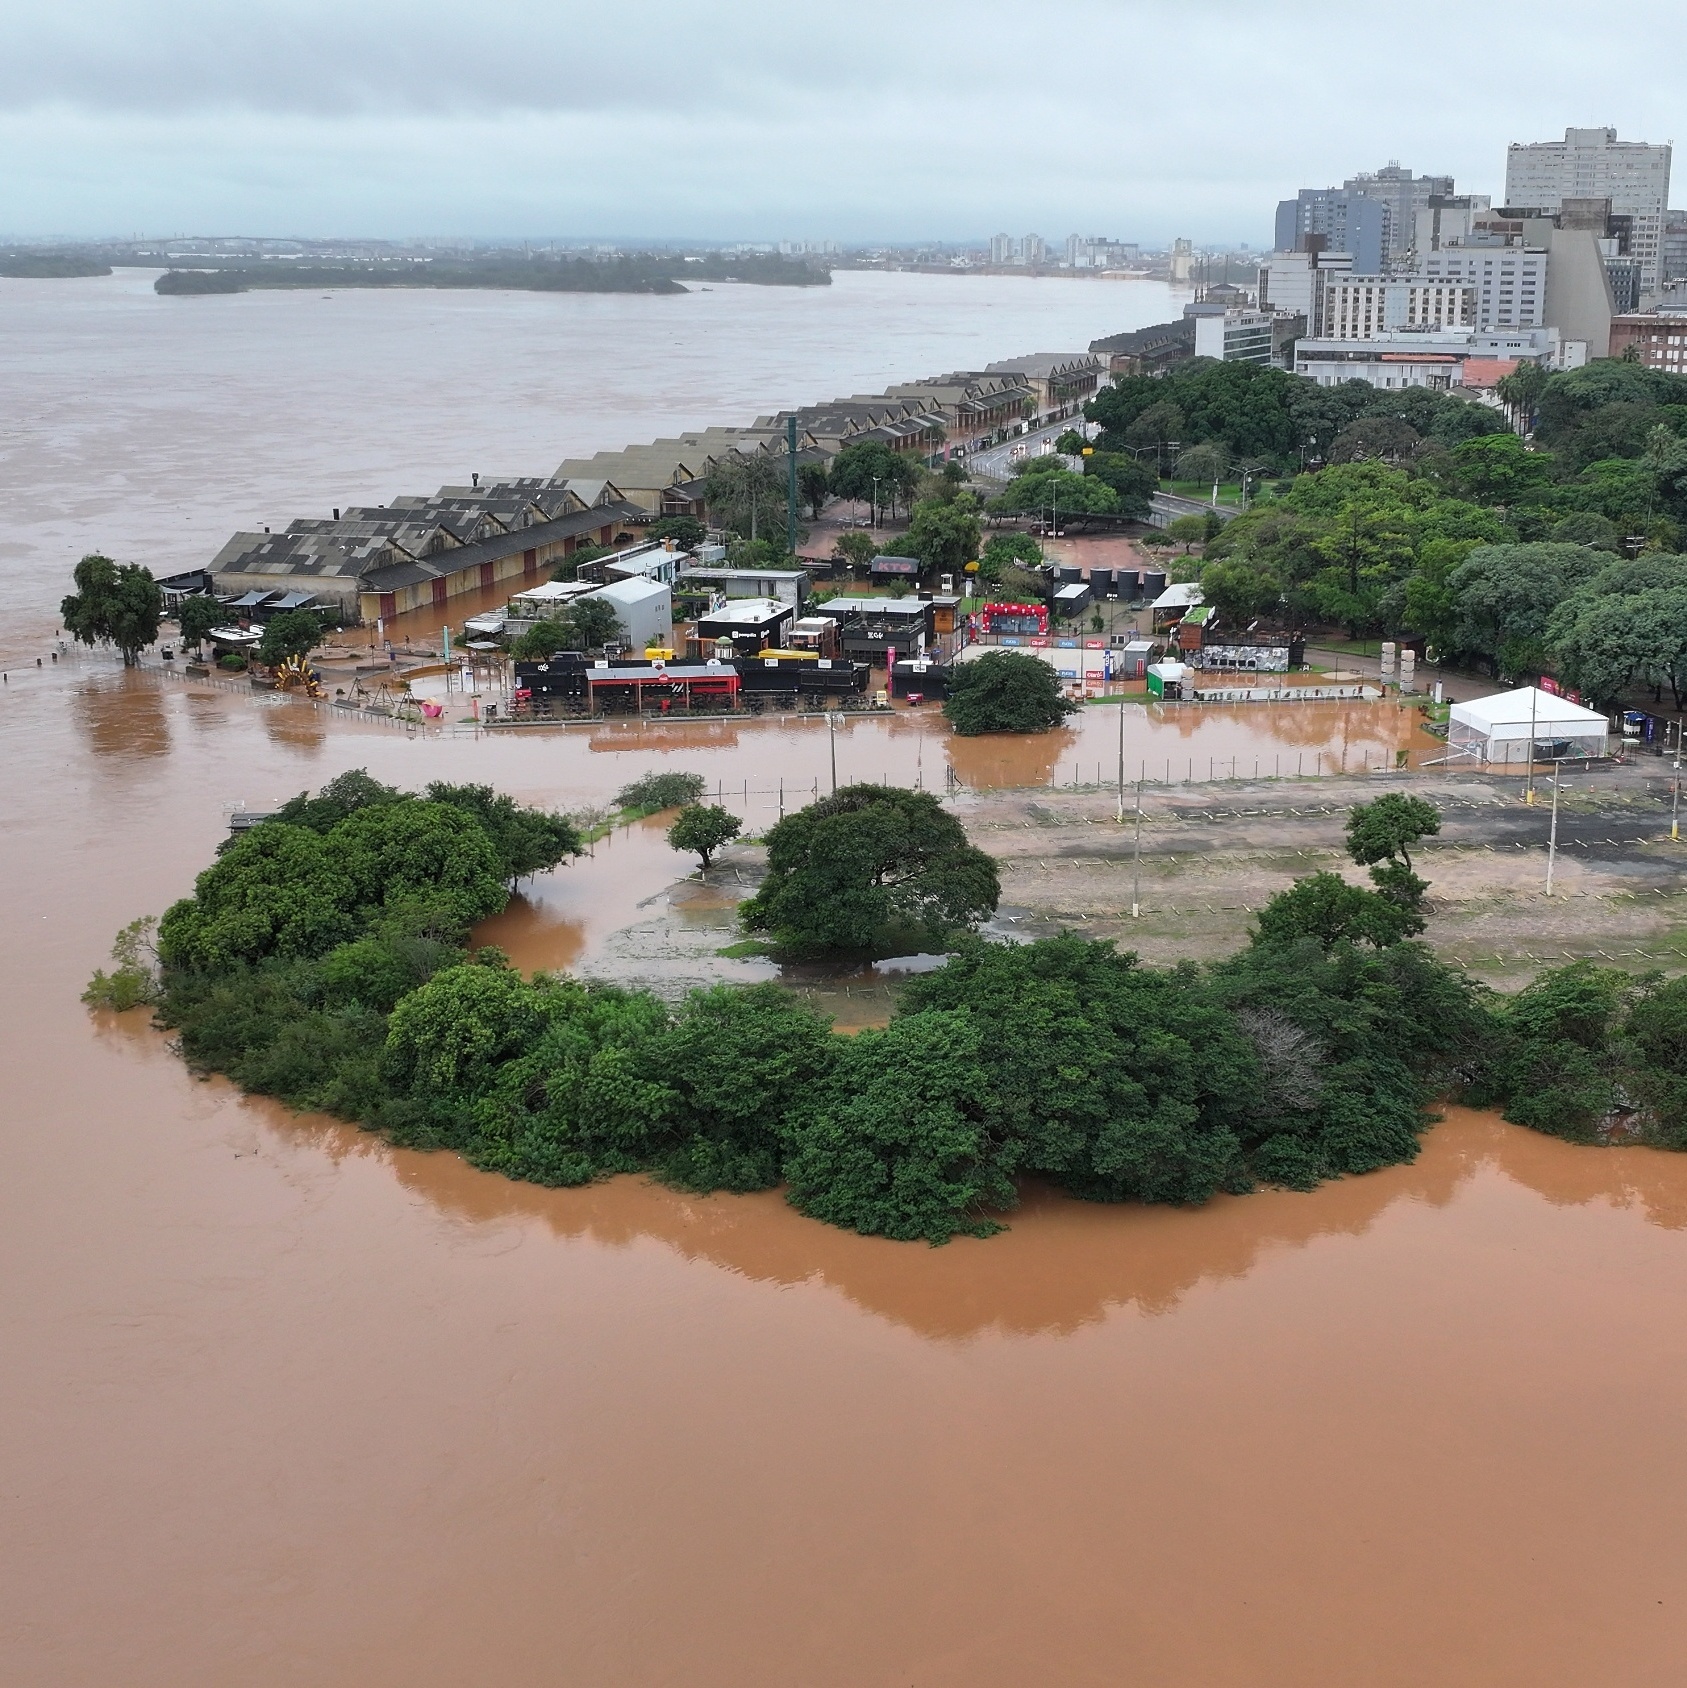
998, 461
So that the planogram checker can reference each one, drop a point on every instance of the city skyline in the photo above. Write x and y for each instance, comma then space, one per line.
762, 124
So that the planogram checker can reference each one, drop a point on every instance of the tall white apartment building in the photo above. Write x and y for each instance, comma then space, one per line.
1594, 164
1509, 282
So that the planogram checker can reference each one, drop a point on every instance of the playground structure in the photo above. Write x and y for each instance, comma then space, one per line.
297, 675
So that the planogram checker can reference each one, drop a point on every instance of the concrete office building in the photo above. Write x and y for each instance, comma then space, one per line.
1413, 358
1658, 339
1294, 282
1594, 164
1508, 283
1095, 252
1361, 307
1674, 259
1449, 220
1340, 221
1232, 336
1402, 196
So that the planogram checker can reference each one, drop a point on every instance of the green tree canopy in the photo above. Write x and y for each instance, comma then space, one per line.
1003, 551
1605, 642
1508, 593
687, 532
1325, 908
814, 487
122, 603
1056, 489
1388, 827
897, 1146
528, 841
1005, 692
746, 492
745, 1066
944, 536
856, 549
1131, 480
1238, 591
703, 828
1499, 469
197, 616
856, 468
870, 868
1209, 461
293, 633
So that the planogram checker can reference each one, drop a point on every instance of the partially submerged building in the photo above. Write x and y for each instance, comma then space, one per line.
380, 561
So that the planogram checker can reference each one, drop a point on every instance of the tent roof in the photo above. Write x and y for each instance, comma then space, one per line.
1178, 597
1519, 708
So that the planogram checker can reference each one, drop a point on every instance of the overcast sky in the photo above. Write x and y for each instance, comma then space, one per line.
750, 119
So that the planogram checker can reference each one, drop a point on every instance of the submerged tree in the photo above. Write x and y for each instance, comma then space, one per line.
1005, 692
704, 828
870, 867
119, 602
196, 617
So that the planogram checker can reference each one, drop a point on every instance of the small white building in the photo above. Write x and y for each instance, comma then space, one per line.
1502, 729
645, 610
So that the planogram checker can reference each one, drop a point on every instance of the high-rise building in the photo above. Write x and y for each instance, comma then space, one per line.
1402, 196
1508, 281
1341, 220
1594, 164
1001, 249
1182, 261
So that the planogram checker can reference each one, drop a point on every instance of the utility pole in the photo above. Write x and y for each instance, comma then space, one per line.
1552, 835
1121, 816
1529, 783
791, 486
832, 724
1136, 862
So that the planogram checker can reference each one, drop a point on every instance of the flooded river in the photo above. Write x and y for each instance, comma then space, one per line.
281, 1406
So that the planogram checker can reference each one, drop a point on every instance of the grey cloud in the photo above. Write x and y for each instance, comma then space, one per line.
756, 118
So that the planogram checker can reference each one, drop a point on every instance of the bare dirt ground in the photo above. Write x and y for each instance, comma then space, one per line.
1211, 855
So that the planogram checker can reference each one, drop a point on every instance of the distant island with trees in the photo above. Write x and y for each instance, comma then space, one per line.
51, 266
653, 272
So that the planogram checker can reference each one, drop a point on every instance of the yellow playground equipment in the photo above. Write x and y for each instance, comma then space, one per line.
295, 674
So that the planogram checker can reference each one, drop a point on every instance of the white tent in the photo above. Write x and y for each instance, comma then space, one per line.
1185, 595
1501, 728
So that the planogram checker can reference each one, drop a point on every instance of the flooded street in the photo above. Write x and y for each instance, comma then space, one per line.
282, 1406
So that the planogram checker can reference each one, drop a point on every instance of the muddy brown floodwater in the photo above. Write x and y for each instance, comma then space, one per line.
281, 1407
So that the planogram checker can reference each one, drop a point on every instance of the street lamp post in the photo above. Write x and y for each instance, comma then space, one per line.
1552, 835
875, 521
1675, 789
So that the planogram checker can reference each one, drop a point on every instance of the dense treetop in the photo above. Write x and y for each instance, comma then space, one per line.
324, 959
